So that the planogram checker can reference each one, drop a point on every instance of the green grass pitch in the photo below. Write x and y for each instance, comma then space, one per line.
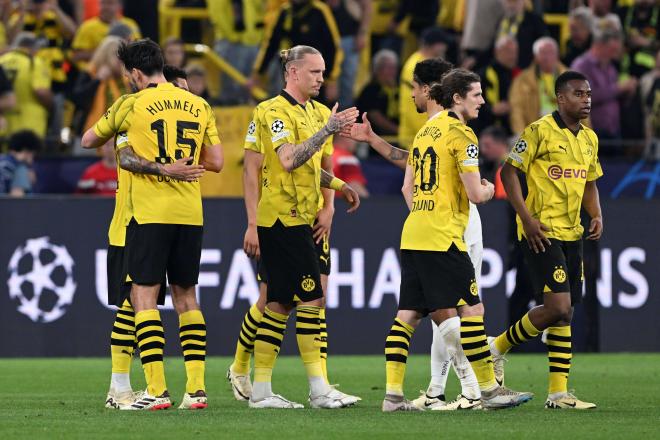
63, 399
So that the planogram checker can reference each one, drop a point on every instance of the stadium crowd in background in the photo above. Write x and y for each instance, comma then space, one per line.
57, 57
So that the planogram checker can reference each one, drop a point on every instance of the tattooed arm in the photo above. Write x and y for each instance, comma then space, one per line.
292, 156
179, 169
363, 132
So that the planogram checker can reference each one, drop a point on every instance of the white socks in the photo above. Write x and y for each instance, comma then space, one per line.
440, 362
120, 382
318, 386
261, 390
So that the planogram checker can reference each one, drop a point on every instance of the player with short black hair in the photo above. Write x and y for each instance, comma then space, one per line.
559, 156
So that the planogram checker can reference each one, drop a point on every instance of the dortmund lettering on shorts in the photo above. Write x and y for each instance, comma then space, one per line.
294, 198
164, 123
443, 148
558, 164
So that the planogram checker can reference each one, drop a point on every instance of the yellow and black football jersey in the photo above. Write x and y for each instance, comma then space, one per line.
108, 126
443, 149
558, 163
166, 123
292, 197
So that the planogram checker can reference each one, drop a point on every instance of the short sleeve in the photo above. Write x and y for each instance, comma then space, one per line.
106, 126
82, 40
41, 76
280, 126
595, 170
463, 143
252, 133
211, 136
524, 150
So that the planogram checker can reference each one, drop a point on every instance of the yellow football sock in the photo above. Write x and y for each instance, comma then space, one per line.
151, 340
308, 329
475, 346
267, 344
122, 339
396, 355
521, 331
192, 333
323, 344
559, 358
245, 344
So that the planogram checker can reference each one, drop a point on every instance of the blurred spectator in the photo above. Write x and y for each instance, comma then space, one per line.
310, 23
238, 27
197, 84
100, 85
479, 34
533, 91
94, 30
493, 149
496, 80
580, 22
525, 26
380, 98
353, 19
30, 76
7, 98
16, 175
641, 27
381, 36
100, 178
602, 10
433, 44
46, 20
146, 13
421, 15
346, 166
174, 52
606, 88
650, 91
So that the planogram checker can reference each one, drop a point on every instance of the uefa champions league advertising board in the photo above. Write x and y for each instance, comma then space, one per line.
53, 277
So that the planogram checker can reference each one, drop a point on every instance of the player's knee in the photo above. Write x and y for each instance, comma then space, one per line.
561, 312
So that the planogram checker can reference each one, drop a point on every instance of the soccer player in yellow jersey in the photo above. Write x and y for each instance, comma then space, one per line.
437, 276
292, 177
164, 231
122, 340
559, 156
238, 373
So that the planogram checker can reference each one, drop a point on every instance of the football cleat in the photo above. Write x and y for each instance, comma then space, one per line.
147, 402
194, 401
393, 403
333, 399
347, 398
274, 401
503, 397
424, 401
460, 403
498, 362
568, 401
115, 400
240, 385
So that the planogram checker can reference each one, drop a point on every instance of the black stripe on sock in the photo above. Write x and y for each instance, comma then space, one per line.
151, 358
559, 349
305, 320
478, 356
252, 321
151, 333
559, 370
400, 333
245, 344
269, 339
267, 326
123, 331
473, 345
124, 321
126, 313
194, 357
514, 335
522, 331
152, 322
151, 345
509, 337
193, 347
249, 327
471, 324
246, 335
559, 360
272, 318
122, 342
324, 350
200, 338
558, 338
188, 327
397, 344
307, 331
472, 333
394, 357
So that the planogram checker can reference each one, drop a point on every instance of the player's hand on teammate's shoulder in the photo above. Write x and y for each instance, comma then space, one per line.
352, 197
341, 120
595, 228
182, 171
534, 231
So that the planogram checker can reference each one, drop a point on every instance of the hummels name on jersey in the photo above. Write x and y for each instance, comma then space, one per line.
173, 104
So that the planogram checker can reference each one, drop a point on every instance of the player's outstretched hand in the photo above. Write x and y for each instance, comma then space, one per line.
359, 132
251, 243
352, 197
595, 228
340, 120
180, 170
534, 231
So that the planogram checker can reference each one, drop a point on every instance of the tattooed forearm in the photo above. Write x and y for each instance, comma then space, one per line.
130, 161
293, 156
397, 154
326, 178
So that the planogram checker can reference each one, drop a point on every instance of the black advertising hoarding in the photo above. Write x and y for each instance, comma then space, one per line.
53, 287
